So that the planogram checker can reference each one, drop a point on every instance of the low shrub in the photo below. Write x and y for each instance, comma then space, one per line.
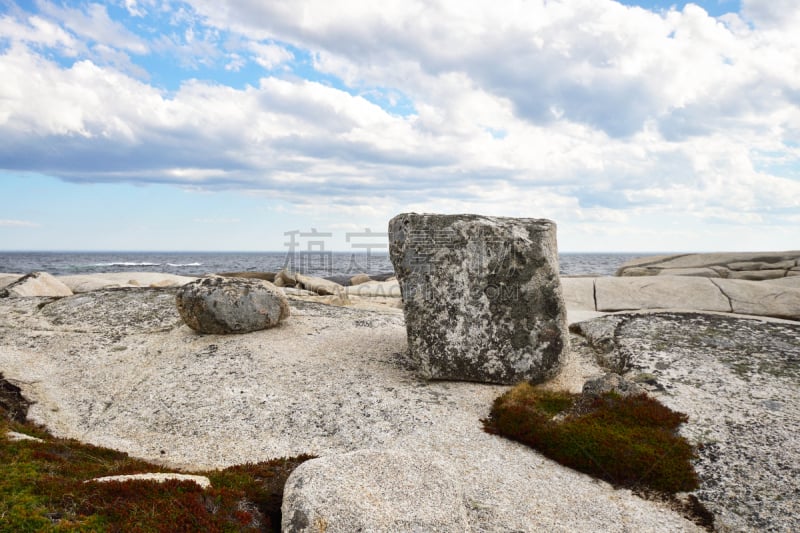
42, 488
628, 441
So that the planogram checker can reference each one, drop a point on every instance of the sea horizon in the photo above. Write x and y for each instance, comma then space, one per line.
322, 263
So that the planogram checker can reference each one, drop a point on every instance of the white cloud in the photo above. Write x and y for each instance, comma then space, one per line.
587, 111
269, 56
39, 32
18, 224
95, 24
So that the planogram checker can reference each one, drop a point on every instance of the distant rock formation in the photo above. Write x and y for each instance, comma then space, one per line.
754, 266
481, 296
36, 284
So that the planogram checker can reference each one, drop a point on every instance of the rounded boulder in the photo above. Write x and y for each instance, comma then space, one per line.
231, 305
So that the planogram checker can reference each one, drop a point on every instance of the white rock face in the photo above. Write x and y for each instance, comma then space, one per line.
481, 296
370, 490
231, 305
203, 481
39, 284
660, 292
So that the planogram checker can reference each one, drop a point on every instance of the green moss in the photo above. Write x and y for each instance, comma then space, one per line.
628, 441
42, 488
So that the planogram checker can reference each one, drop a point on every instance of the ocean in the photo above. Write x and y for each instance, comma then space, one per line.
322, 264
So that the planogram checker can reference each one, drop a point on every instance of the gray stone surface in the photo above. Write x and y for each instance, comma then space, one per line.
118, 368
734, 265
578, 293
231, 305
36, 284
697, 272
659, 292
481, 296
611, 382
374, 490
358, 279
739, 382
762, 299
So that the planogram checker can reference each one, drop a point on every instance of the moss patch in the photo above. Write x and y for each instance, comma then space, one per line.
628, 441
42, 488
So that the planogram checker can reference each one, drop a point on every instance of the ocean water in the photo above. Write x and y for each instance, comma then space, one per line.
323, 264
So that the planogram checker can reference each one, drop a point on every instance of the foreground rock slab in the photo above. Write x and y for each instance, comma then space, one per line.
739, 382
481, 296
118, 368
231, 305
373, 490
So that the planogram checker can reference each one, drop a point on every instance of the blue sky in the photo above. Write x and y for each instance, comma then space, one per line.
214, 125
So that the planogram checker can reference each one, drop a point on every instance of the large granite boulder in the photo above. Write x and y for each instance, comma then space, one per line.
373, 491
754, 266
39, 284
231, 305
481, 295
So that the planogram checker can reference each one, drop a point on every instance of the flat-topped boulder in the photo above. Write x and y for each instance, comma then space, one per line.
481, 296
755, 266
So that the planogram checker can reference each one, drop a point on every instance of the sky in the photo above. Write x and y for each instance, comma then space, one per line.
224, 125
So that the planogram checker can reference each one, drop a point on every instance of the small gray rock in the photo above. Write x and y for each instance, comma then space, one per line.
611, 383
370, 490
231, 305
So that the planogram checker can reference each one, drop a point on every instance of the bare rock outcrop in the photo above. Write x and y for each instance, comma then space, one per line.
754, 266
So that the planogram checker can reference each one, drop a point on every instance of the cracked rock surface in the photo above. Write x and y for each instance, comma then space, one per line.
739, 382
117, 368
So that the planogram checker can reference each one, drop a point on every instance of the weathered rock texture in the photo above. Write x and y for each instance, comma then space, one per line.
755, 266
779, 298
371, 490
481, 295
118, 368
231, 305
739, 382
36, 284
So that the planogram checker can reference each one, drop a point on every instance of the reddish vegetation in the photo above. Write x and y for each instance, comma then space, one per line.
628, 441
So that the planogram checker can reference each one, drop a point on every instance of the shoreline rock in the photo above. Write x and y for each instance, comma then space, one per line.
754, 266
